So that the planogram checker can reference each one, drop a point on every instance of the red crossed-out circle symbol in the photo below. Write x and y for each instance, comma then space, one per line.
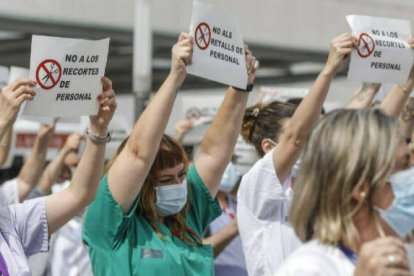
366, 45
202, 36
48, 73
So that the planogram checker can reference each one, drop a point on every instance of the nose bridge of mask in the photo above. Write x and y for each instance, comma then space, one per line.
172, 192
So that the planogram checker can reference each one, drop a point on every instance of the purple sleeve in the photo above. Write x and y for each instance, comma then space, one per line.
30, 222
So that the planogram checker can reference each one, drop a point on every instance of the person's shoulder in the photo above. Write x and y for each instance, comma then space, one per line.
315, 258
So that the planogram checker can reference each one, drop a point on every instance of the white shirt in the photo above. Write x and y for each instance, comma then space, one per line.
68, 255
9, 192
316, 259
263, 205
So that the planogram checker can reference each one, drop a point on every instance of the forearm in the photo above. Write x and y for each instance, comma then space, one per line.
32, 169
362, 99
222, 135
407, 119
5, 126
395, 100
220, 240
5, 146
148, 131
62, 206
52, 172
309, 111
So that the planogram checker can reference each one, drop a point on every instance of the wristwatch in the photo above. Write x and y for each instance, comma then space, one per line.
98, 139
249, 88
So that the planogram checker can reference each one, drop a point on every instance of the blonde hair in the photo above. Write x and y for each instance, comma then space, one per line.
169, 155
348, 150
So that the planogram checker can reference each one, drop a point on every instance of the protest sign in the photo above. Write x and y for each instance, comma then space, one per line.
270, 94
68, 74
4, 76
383, 54
218, 52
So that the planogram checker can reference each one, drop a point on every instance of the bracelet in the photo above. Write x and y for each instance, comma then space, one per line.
407, 114
97, 138
249, 88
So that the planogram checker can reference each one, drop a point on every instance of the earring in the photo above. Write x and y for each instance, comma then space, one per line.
363, 194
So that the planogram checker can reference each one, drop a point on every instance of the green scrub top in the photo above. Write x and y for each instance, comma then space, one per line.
127, 245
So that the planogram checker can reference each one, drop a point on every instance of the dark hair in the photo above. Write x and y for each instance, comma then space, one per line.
265, 121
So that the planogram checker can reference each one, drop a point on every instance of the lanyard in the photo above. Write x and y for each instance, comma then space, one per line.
352, 256
225, 208
191, 232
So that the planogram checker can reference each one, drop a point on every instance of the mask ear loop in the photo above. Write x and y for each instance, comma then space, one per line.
375, 218
377, 224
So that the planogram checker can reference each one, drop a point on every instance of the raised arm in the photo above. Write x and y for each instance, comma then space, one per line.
217, 146
32, 169
5, 146
394, 102
297, 129
64, 205
221, 239
131, 167
11, 98
182, 127
364, 96
52, 172
407, 119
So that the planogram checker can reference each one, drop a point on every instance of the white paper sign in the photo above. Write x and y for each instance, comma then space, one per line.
21, 73
218, 52
270, 94
18, 73
4, 76
68, 74
383, 54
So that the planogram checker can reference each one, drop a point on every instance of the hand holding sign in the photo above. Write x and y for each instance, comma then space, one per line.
73, 142
46, 131
12, 97
182, 54
251, 64
100, 122
410, 82
341, 48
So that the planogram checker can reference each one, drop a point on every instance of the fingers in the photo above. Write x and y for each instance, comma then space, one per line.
24, 97
251, 62
397, 272
24, 90
22, 82
106, 83
411, 42
183, 49
184, 36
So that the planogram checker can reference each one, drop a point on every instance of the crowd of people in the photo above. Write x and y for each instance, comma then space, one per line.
329, 194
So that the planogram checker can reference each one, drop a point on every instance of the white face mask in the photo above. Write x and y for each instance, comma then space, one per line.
171, 198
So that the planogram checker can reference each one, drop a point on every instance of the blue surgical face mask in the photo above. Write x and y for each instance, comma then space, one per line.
230, 177
296, 168
400, 215
171, 198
